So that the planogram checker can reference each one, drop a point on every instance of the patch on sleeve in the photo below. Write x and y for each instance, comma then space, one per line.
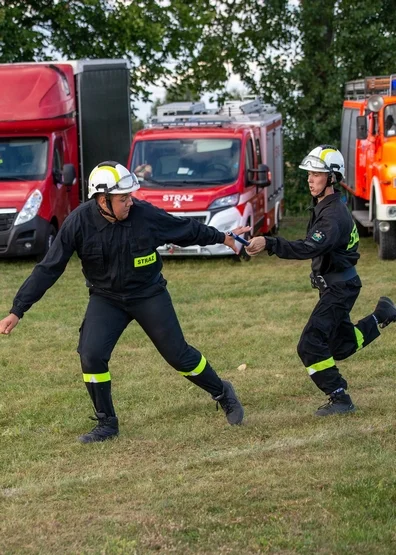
318, 236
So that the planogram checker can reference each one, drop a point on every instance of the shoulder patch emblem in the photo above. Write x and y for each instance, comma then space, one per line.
318, 236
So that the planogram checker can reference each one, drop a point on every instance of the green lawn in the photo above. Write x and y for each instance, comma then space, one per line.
179, 479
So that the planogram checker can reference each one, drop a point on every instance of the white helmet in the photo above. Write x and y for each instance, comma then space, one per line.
325, 158
111, 178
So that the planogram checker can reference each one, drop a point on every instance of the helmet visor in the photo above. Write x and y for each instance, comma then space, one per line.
314, 164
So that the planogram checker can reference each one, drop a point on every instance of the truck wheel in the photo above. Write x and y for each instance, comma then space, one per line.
376, 231
387, 243
51, 234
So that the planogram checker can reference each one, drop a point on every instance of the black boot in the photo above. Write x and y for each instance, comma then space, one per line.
106, 428
230, 404
338, 403
385, 312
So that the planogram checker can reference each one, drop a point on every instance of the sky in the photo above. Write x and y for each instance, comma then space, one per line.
143, 108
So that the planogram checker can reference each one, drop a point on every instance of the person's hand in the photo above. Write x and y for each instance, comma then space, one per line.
144, 171
8, 323
230, 241
257, 244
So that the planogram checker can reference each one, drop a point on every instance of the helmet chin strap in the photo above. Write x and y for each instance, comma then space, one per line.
110, 213
329, 183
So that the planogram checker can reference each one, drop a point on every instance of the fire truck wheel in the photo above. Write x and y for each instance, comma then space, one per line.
51, 234
376, 232
387, 243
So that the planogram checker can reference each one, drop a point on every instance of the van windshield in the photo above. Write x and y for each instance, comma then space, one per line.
23, 159
186, 162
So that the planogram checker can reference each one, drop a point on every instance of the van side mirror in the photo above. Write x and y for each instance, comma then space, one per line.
361, 127
69, 175
262, 175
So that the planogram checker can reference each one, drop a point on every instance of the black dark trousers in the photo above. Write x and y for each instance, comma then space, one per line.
330, 335
104, 322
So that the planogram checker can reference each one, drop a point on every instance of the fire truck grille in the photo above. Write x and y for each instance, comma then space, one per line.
6, 221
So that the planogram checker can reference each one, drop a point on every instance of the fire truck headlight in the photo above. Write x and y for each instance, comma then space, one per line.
225, 202
30, 209
391, 212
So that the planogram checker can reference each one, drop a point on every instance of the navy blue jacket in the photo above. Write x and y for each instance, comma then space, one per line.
119, 260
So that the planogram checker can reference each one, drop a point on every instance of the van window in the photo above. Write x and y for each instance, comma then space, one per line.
23, 159
258, 151
249, 157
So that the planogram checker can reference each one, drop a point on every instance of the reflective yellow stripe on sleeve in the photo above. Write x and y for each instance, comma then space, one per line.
97, 378
354, 238
323, 365
359, 338
200, 368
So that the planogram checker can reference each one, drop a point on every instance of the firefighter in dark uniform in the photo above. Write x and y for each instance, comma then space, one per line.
116, 238
332, 243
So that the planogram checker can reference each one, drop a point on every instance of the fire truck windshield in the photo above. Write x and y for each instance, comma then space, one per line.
184, 162
23, 159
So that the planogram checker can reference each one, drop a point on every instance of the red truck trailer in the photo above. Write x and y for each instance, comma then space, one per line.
224, 168
57, 121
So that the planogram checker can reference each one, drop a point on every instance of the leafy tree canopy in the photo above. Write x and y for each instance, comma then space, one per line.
296, 55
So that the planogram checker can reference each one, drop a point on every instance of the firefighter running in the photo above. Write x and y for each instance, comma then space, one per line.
332, 244
116, 238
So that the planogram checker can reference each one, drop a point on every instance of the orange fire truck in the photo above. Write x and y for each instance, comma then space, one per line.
368, 144
223, 168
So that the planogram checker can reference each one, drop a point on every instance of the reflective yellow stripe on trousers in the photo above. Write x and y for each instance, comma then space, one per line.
359, 339
323, 365
97, 378
200, 368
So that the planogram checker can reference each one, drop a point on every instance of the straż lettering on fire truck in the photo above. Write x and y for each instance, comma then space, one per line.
177, 199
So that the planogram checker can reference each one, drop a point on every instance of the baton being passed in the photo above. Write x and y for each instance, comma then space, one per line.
238, 238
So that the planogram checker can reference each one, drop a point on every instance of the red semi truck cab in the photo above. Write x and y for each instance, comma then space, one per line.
57, 121
224, 169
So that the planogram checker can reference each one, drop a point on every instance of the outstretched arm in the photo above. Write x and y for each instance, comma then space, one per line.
46, 273
8, 323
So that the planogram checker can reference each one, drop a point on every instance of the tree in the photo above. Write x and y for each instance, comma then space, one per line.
303, 55
157, 39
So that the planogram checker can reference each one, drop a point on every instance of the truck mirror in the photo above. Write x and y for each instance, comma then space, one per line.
69, 175
263, 175
361, 127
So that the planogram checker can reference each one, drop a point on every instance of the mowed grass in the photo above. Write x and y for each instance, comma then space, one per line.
179, 479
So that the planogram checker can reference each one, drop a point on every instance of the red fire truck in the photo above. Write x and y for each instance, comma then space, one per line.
57, 121
224, 168
368, 143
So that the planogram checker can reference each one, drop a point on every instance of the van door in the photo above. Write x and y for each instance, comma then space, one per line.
256, 193
61, 196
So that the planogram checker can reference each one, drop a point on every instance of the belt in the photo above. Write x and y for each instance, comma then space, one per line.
333, 277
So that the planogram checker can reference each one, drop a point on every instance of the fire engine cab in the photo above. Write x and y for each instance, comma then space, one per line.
368, 144
223, 167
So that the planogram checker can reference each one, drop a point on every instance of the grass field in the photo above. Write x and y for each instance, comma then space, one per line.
179, 479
